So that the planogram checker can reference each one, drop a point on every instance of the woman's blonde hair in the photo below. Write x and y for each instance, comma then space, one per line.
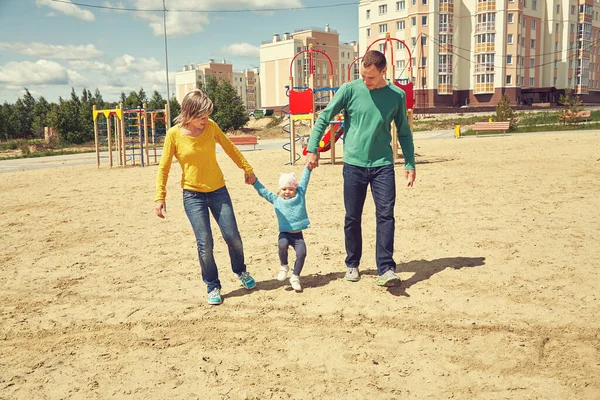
195, 104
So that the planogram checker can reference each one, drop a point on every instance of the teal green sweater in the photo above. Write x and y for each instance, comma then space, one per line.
368, 115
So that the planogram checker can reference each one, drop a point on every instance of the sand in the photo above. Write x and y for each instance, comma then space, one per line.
497, 245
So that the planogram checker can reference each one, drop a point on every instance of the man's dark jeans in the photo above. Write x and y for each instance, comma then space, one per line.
383, 188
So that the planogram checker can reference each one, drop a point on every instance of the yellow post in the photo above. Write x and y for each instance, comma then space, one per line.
490, 120
457, 131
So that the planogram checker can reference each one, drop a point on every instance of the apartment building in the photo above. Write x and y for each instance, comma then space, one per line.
276, 57
245, 82
473, 51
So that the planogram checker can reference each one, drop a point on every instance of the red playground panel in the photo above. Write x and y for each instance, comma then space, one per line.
410, 93
301, 102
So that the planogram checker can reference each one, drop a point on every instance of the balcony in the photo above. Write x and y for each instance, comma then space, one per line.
445, 27
485, 47
481, 88
445, 68
486, 6
484, 27
447, 7
446, 48
444, 88
483, 68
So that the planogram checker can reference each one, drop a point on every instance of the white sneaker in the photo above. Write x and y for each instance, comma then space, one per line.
295, 282
283, 271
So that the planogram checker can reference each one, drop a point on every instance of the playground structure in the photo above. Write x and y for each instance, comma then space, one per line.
130, 133
302, 103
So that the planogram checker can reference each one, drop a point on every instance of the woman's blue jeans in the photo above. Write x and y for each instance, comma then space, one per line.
383, 188
197, 206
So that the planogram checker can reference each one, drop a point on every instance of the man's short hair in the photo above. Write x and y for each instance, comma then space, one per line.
376, 58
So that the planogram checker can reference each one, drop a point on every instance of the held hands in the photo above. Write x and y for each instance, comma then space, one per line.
312, 160
410, 175
160, 208
250, 178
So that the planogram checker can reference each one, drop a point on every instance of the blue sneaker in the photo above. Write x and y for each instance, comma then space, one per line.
214, 297
247, 281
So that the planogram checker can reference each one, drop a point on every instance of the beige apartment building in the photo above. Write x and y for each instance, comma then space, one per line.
277, 54
470, 52
245, 82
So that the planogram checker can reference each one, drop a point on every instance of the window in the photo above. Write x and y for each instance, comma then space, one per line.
524, 3
524, 22
531, 82
511, 18
381, 47
510, 38
555, 45
533, 24
424, 20
383, 28
413, 21
368, 32
383, 9
424, 2
509, 59
299, 62
570, 84
570, 64
572, 13
572, 28
423, 61
368, 14
533, 43
509, 79
414, 41
554, 82
558, 8
557, 28
414, 2
555, 63
400, 25
400, 64
423, 40
532, 63
534, 4
399, 46
400, 5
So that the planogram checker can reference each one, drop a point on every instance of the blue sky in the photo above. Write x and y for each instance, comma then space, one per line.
51, 46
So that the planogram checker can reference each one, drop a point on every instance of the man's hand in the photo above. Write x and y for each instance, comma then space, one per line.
160, 208
410, 175
250, 178
312, 160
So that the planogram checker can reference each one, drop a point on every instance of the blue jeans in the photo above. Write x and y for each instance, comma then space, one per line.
383, 188
197, 205
296, 240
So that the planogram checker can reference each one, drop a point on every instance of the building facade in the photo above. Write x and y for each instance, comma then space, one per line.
245, 82
276, 57
470, 52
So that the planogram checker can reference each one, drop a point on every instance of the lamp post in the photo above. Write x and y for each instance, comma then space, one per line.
166, 56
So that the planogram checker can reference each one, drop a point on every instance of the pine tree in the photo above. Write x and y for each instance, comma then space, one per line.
573, 104
505, 113
231, 112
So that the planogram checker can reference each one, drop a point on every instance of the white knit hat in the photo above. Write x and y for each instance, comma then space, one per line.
288, 180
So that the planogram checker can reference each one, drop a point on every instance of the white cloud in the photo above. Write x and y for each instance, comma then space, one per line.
70, 52
90, 66
76, 79
68, 9
129, 64
241, 49
42, 72
193, 21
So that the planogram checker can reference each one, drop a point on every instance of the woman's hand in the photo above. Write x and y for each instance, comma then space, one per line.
160, 208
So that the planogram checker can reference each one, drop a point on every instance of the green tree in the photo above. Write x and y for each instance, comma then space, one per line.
230, 110
504, 112
132, 101
98, 100
174, 109
40, 116
156, 102
8, 123
85, 114
573, 104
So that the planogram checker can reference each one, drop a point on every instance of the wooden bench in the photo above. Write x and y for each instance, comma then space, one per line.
247, 140
491, 127
566, 116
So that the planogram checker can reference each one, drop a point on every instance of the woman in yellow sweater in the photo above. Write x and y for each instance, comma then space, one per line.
193, 142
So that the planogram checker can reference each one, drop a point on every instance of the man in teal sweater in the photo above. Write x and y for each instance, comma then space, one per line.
370, 105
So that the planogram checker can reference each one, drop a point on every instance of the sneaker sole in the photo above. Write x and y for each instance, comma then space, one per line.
352, 279
248, 286
390, 282
211, 303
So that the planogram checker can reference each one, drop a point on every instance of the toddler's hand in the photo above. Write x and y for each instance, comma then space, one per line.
250, 178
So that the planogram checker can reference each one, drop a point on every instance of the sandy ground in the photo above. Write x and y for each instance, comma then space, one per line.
497, 246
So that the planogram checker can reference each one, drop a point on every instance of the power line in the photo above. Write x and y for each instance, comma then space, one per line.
206, 10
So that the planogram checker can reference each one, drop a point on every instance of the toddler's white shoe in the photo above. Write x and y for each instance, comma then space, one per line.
295, 282
283, 271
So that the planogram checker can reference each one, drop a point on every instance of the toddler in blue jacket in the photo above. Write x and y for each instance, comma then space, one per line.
290, 208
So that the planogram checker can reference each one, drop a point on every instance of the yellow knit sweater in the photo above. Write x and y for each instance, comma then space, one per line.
198, 159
